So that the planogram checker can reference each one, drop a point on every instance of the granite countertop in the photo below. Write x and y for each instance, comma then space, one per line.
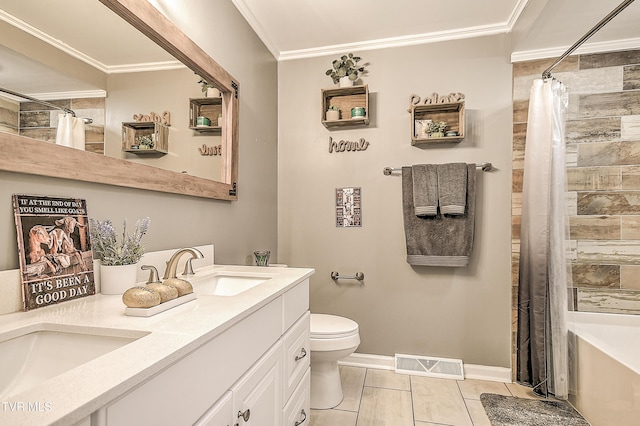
169, 336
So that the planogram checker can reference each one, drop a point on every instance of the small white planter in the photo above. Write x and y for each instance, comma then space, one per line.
346, 82
333, 115
212, 92
117, 279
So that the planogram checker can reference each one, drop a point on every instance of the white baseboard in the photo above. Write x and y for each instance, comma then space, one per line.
487, 372
378, 362
471, 371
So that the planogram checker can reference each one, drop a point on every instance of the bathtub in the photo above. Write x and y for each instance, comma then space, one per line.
606, 370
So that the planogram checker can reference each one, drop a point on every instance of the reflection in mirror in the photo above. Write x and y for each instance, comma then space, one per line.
157, 115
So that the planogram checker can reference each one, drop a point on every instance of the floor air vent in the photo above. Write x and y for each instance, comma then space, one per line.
445, 368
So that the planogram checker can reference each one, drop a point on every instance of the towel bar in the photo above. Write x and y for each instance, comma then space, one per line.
486, 167
335, 275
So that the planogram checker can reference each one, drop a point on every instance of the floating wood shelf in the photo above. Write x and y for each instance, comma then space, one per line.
132, 133
205, 107
345, 98
452, 113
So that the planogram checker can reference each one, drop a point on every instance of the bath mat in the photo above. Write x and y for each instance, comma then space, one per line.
512, 411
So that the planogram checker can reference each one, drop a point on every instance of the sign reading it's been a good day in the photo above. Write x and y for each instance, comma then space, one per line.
342, 146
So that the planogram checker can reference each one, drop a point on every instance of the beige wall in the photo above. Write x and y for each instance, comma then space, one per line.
236, 228
448, 312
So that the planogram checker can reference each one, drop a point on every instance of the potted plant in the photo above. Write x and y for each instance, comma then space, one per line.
345, 70
437, 128
118, 258
209, 89
333, 113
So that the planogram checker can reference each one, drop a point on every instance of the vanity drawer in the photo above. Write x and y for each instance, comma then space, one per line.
297, 353
295, 302
297, 412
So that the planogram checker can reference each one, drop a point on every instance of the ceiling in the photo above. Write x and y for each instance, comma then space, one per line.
335, 26
294, 29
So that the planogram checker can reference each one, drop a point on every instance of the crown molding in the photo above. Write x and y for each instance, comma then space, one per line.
115, 69
256, 26
384, 43
409, 40
597, 47
76, 94
29, 29
150, 66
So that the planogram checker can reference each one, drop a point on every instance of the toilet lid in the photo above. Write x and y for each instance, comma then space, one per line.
325, 326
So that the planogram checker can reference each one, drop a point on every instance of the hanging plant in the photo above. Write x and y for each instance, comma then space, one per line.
346, 66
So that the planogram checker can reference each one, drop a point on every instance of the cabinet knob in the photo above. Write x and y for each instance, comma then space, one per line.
303, 353
244, 414
304, 418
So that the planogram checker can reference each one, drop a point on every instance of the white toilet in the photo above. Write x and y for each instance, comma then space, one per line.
332, 338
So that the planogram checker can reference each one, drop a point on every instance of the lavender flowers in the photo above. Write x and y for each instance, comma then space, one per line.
111, 252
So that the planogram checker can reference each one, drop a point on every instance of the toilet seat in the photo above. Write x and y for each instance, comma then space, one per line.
325, 326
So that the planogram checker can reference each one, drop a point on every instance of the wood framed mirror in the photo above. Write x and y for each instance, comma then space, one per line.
25, 155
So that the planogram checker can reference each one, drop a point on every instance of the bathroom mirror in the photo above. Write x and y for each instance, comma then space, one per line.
26, 155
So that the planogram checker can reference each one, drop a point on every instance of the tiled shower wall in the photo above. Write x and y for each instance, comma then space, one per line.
603, 170
40, 122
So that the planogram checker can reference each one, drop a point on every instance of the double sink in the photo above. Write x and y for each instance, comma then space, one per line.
34, 354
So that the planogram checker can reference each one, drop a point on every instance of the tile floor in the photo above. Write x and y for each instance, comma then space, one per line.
383, 398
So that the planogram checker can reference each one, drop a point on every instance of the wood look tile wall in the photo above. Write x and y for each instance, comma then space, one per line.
603, 171
40, 122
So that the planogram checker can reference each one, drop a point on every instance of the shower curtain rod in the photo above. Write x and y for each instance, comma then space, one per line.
547, 73
48, 104
486, 167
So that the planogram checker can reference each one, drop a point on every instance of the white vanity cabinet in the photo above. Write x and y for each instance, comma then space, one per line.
257, 370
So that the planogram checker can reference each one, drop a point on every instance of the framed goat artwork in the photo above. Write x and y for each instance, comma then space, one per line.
54, 249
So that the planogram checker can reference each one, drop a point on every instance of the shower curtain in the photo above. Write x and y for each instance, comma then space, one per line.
70, 131
542, 344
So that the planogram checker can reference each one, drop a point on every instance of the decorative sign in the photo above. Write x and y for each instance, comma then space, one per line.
435, 99
56, 262
210, 150
165, 118
348, 211
343, 145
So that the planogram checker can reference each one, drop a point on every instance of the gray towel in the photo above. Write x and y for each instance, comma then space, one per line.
425, 189
452, 187
441, 240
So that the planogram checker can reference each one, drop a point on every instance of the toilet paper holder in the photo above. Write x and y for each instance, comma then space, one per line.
335, 275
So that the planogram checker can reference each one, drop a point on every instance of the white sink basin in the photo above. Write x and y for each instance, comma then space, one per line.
35, 354
227, 283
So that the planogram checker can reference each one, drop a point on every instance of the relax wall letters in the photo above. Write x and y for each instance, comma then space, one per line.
343, 145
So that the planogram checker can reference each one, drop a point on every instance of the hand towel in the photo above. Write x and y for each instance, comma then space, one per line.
452, 188
425, 189
440, 240
70, 131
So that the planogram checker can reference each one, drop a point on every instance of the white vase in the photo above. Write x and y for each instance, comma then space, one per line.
117, 279
212, 92
333, 115
346, 82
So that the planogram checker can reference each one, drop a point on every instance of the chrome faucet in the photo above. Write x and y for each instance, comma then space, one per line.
172, 264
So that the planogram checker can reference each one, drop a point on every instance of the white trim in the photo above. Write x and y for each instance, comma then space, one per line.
113, 69
149, 66
598, 47
255, 25
29, 29
487, 372
378, 362
409, 40
78, 94
471, 371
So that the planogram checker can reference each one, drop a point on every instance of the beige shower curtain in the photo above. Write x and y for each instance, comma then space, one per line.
542, 360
